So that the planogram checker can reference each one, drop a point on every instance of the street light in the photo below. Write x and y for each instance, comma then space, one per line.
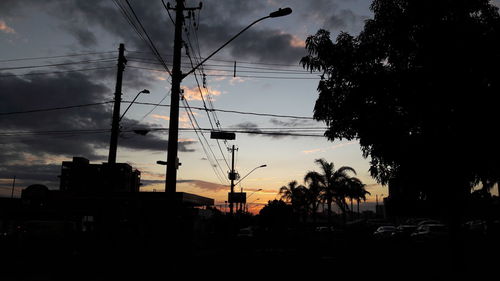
115, 127
254, 192
251, 203
246, 204
261, 166
279, 13
177, 77
141, 92
232, 185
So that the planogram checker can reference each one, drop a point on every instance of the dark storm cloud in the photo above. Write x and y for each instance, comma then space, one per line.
330, 15
106, 15
9, 7
37, 173
65, 132
34, 173
253, 129
292, 122
58, 91
270, 46
217, 24
85, 37
209, 186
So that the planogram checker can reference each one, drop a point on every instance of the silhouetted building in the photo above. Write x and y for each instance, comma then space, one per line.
81, 176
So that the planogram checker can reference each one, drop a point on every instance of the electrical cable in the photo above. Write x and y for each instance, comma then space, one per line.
54, 108
59, 56
57, 64
56, 72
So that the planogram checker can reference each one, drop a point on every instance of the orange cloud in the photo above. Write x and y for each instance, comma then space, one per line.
158, 116
296, 42
342, 144
183, 119
312, 151
5, 28
193, 93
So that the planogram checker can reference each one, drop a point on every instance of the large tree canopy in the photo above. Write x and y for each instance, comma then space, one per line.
419, 88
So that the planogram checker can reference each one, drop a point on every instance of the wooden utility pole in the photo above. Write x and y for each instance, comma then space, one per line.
232, 177
177, 76
173, 127
115, 125
13, 187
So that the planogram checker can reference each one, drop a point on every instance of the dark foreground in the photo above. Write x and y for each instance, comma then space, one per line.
292, 253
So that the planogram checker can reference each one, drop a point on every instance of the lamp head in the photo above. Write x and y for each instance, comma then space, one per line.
280, 13
262, 166
141, 132
145, 91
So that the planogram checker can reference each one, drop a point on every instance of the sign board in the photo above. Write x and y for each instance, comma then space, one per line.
238, 197
222, 135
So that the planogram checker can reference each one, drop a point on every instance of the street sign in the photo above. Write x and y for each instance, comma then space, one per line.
237, 197
222, 135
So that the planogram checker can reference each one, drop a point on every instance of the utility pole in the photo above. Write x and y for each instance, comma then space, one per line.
115, 126
232, 177
173, 127
177, 76
13, 186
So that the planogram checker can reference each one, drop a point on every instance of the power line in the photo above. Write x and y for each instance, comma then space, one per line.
53, 132
267, 77
149, 42
232, 60
57, 64
59, 56
238, 112
230, 66
56, 72
156, 105
197, 129
240, 76
194, 129
54, 108
189, 45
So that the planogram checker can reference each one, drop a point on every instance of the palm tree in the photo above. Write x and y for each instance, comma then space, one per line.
315, 185
333, 184
356, 191
296, 195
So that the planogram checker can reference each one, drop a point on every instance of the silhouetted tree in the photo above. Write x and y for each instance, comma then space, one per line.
276, 215
357, 192
315, 185
333, 185
297, 195
418, 87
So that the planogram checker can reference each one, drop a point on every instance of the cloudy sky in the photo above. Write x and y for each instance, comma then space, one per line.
61, 55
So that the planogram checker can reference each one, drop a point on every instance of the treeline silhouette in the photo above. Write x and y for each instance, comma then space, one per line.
329, 186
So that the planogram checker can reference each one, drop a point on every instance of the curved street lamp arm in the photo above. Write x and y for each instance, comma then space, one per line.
225, 44
143, 91
262, 166
275, 14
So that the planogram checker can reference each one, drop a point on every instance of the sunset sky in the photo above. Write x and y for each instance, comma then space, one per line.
36, 72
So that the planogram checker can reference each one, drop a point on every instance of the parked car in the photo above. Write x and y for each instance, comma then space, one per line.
404, 231
428, 221
430, 232
246, 232
384, 232
324, 229
476, 227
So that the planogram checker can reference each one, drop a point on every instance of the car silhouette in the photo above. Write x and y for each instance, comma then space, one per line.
430, 232
384, 232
